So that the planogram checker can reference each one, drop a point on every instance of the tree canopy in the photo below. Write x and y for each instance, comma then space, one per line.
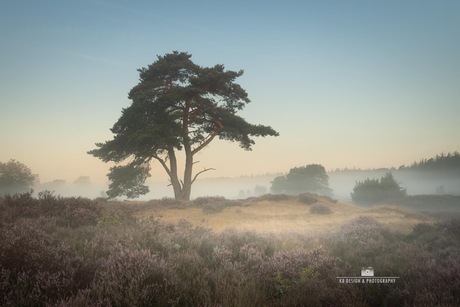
176, 106
15, 177
310, 178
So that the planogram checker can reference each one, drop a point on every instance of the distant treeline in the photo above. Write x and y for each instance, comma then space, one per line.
442, 162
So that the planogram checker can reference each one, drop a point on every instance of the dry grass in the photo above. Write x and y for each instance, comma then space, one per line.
286, 217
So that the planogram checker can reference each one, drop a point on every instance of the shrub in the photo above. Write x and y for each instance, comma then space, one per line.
274, 197
307, 198
35, 267
132, 277
69, 211
170, 202
213, 204
320, 209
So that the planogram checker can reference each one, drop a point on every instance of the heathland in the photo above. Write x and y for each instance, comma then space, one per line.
274, 250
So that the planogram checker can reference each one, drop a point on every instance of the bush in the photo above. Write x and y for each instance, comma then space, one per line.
170, 202
307, 198
273, 197
320, 209
35, 267
213, 204
69, 211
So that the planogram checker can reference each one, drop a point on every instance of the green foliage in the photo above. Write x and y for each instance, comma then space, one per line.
128, 180
177, 105
374, 190
310, 178
15, 177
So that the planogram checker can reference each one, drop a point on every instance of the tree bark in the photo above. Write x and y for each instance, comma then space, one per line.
173, 174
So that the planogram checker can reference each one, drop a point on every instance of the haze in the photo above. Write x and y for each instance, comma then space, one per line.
347, 84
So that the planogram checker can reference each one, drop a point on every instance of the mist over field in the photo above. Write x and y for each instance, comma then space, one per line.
341, 182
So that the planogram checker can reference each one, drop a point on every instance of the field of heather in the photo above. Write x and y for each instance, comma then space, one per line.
267, 251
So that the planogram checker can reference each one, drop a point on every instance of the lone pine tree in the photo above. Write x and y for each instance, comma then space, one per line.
177, 105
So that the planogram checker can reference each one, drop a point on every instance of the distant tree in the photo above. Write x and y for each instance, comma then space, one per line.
279, 185
15, 177
260, 190
374, 190
82, 180
176, 106
311, 178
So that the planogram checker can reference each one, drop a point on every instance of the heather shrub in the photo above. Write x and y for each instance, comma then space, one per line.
192, 270
245, 243
363, 234
320, 209
213, 204
132, 277
307, 198
69, 211
109, 217
170, 202
425, 259
16, 206
116, 260
365, 242
279, 273
329, 198
274, 197
303, 277
37, 267
167, 239
200, 201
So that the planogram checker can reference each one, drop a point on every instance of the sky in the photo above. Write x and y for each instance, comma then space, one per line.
364, 84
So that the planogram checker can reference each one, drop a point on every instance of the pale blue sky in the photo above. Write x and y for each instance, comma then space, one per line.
346, 83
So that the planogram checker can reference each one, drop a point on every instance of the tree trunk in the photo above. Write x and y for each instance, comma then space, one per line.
187, 185
173, 174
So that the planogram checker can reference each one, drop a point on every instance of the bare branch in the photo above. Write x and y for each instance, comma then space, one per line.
197, 174
163, 163
206, 142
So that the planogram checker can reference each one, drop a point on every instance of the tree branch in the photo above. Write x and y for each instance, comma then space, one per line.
165, 166
197, 174
209, 139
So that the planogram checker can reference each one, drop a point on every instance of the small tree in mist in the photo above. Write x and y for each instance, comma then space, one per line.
311, 178
15, 177
82, 180
177, 106
374, 190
